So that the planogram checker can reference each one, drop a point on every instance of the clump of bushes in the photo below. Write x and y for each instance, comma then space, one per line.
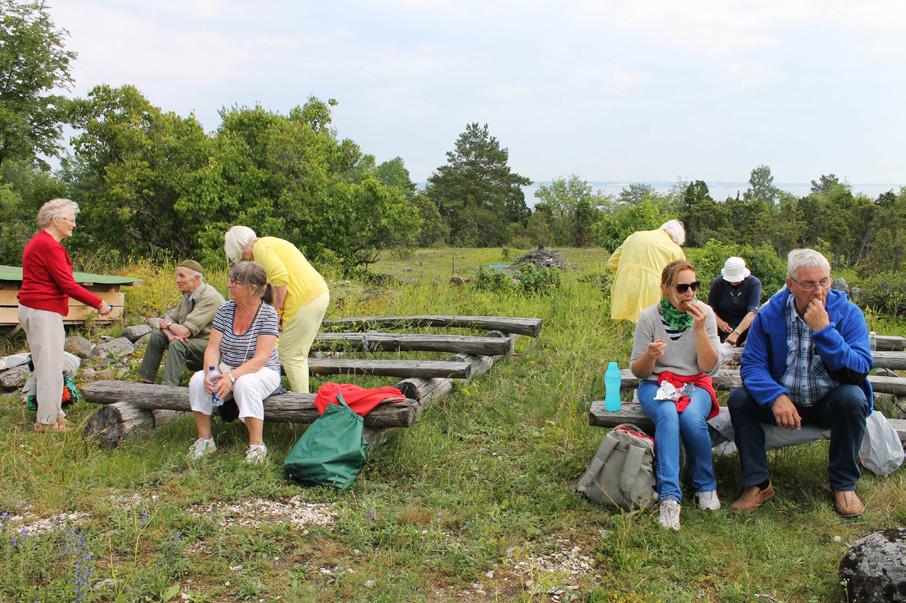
761, 260
885, 292
527, 279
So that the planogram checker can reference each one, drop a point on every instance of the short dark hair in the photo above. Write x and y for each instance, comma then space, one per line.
250, 273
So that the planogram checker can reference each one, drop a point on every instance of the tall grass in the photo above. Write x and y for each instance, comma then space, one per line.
479, 485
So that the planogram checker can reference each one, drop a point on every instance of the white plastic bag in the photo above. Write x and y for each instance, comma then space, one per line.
881, 452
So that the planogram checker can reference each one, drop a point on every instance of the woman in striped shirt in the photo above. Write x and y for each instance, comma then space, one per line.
243, 344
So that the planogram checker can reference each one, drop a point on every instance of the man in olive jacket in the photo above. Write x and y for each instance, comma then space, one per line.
184, 330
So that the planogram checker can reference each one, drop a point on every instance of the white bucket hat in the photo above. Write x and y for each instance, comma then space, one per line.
735, 270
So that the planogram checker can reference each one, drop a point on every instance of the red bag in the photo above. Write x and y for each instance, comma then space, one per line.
360, 399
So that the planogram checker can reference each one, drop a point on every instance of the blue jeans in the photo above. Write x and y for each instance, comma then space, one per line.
843, 410
691, 425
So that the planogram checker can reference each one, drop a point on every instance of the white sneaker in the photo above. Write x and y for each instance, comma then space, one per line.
668, 515
256, 454
708, 501
201, 447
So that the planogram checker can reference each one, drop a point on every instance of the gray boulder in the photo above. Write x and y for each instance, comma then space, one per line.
15, 377
136, 332
840, 284
115, 348
154, 323
8, 362
78, 346
874, 568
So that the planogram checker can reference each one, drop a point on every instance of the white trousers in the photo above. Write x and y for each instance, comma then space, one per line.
45, 341
295, 341
249, 392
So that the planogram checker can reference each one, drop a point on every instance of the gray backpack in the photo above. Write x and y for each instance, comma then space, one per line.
621, 474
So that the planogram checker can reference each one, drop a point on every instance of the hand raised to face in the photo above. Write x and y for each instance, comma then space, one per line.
816, 316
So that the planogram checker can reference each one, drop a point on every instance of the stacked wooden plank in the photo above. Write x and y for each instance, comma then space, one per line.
138, 406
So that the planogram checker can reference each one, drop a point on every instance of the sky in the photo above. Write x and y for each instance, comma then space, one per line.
636, 90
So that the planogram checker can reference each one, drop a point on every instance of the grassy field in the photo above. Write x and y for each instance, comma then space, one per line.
474, 502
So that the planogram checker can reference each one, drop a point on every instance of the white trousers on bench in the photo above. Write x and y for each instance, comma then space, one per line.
249, 392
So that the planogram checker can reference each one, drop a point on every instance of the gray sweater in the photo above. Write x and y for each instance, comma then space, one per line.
679, 353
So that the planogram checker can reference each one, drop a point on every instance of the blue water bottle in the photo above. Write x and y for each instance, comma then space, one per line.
213, 376
612, 380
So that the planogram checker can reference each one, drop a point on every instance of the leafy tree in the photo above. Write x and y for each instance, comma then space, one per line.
132, 165
33, 62
433, 228
761, 186
622, 220
393, 173
570, 205
477, 193
635, 193
23, 189
825, 183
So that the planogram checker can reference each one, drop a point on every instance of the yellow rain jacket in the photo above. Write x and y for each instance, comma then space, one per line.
637, 266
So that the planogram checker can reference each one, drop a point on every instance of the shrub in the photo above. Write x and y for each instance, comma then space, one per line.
761, 260
533, 279
493, 280
885, 292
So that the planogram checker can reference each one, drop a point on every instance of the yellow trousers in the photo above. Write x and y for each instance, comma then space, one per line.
295, 341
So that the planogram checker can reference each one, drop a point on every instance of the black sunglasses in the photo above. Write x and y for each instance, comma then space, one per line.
683, 287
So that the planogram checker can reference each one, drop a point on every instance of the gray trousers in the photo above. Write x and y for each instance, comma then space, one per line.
180, 355
45, 341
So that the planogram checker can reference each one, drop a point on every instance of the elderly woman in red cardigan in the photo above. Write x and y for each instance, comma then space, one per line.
47, 285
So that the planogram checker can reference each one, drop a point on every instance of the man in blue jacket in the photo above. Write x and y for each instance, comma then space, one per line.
806, 361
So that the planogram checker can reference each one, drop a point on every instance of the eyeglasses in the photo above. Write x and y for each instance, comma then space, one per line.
683, 287
65, 219
824, 283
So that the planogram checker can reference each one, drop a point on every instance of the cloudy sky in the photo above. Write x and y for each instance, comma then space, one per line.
635, 90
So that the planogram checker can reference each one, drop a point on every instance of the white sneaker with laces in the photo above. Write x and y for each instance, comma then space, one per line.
708, 501
201, 447
256, 454
668, 515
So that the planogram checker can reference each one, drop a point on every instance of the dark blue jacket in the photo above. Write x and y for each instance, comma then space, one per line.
843, 346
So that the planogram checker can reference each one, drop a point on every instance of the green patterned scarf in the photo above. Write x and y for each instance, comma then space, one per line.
675, 319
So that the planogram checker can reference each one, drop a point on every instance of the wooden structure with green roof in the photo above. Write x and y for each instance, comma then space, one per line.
104, 286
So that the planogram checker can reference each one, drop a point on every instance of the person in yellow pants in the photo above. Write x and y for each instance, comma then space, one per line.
300, 295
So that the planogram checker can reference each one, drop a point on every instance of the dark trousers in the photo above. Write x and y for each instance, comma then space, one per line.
180, 355
843, 410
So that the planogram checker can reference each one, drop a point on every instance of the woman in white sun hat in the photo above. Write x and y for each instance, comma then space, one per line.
735, 297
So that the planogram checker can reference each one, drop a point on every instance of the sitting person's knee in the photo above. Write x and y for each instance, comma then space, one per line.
851, 398
739, 399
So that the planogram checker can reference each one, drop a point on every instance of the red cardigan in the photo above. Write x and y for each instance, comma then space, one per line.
47, 282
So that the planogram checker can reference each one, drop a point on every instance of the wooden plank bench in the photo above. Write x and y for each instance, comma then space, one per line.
895, 360
426, 369
400, 342
725, 379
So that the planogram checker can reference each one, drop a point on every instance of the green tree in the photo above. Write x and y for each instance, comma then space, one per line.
393, 173
620, 221
571, 209
132, 165
635, 193
433, 228
23, 189
761, 186
477, 193
703, 217
33, 63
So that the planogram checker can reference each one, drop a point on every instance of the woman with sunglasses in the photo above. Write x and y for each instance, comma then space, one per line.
47, 285
243, 345
675, 349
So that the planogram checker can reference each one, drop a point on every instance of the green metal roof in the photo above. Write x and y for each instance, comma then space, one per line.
14, 273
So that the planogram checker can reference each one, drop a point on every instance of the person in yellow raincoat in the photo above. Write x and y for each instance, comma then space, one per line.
637, 266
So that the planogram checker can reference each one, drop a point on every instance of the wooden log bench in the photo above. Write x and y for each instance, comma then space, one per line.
889, 359
400, 342
504, 324
725, 379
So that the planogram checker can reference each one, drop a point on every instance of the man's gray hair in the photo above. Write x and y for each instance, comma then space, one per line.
235, 240
54, 209
804, 258
676, 230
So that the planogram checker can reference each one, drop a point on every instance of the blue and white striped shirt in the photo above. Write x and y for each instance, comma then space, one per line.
805, 377
239, 349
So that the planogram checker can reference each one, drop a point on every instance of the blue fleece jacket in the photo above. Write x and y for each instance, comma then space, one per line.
843, 346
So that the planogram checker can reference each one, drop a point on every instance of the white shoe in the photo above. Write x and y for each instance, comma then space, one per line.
201, 447
668, 515
256, 454
708, 501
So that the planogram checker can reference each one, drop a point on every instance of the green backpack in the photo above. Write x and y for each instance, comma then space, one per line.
331, 452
